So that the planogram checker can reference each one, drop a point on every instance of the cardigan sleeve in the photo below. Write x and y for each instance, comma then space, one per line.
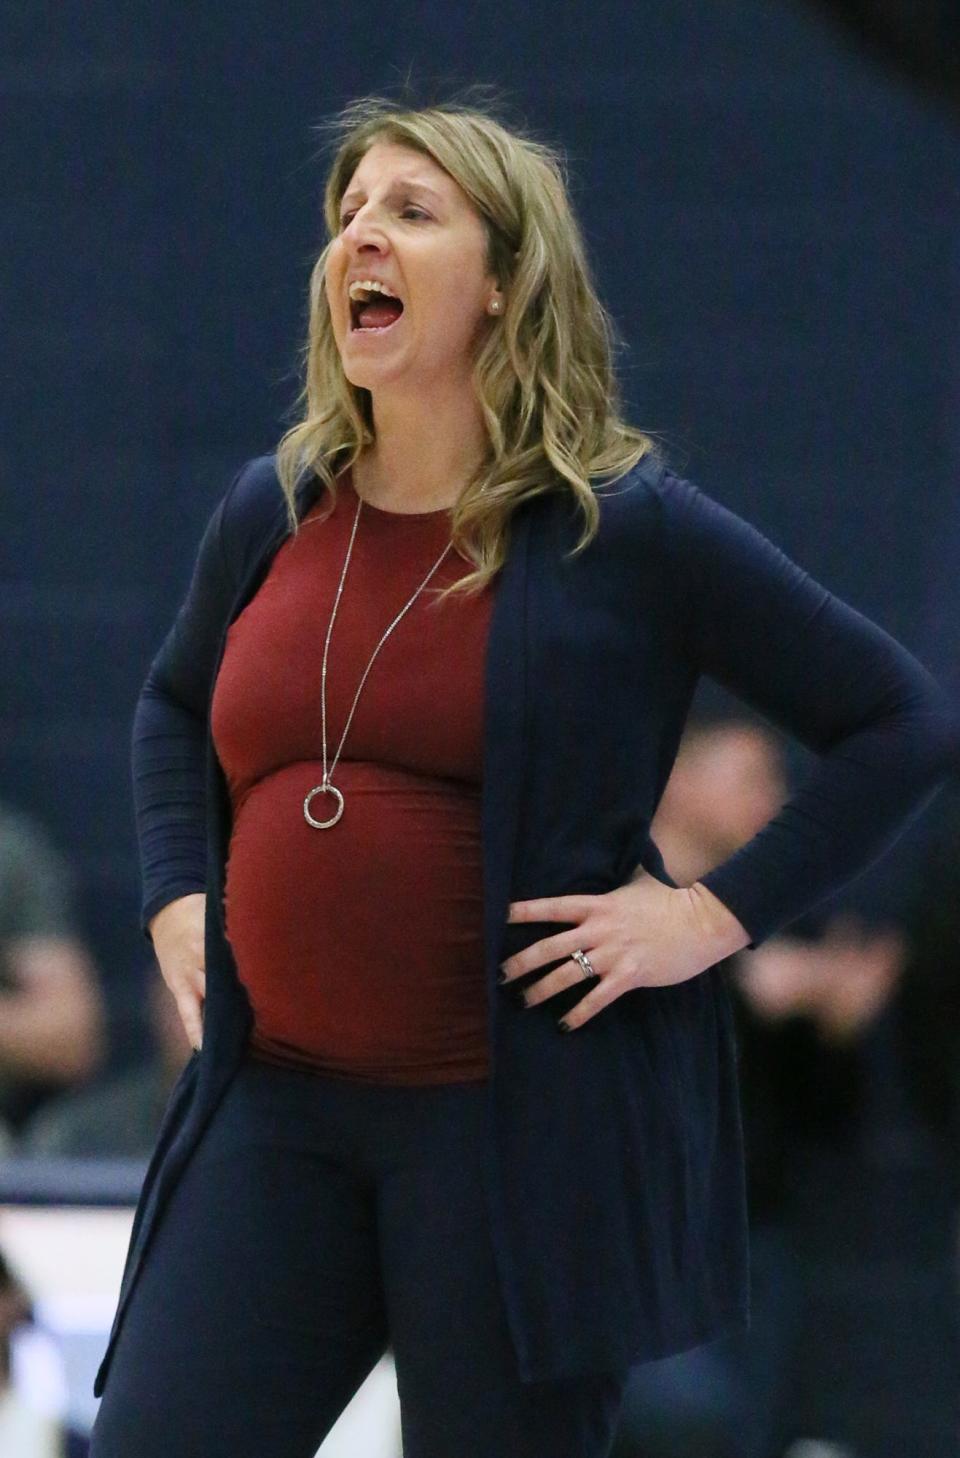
168, 759
884, 732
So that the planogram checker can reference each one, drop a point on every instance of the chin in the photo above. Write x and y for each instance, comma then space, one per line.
364, 378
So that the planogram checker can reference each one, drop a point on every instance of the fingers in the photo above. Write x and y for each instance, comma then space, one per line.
190, 1008
552, 908
604, 992
178, 940
551, 949
188, 989
569, 975
576, 909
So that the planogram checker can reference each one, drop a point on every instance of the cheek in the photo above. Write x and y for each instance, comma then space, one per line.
331, 288
339, 318
455, 312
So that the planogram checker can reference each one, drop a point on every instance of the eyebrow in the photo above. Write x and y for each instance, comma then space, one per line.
402, 185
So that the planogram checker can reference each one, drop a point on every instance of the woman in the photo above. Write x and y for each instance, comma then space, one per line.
345, 849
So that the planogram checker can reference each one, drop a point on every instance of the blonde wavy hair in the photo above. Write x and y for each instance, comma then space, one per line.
544, 376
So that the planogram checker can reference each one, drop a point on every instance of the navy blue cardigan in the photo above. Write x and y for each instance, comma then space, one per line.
613, 1156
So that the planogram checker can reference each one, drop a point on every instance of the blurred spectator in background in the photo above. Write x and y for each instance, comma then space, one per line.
52, 1018
26, 1429
118, 1118
849, 1038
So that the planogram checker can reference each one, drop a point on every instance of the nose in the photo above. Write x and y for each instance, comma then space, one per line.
362, 232
363, 251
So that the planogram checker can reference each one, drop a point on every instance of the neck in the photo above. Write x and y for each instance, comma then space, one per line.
426, 449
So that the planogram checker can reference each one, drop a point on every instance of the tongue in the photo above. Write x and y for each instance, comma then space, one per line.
379, 313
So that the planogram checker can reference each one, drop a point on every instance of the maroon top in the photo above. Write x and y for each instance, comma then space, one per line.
360, 946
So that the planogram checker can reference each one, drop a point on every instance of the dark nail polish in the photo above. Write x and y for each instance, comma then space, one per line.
502, 977
564, 1027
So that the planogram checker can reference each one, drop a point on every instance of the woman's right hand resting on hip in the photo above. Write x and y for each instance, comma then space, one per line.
178, 940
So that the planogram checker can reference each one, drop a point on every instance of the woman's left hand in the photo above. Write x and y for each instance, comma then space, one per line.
643, 934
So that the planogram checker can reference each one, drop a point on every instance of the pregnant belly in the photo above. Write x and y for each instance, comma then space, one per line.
363, 940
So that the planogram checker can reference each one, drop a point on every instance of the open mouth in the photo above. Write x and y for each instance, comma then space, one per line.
374, 315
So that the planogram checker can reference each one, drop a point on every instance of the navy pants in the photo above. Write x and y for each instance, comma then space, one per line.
317, 1222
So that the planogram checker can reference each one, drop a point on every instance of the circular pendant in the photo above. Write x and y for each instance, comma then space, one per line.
323, 790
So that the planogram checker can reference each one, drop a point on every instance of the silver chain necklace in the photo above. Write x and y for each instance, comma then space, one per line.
325, 787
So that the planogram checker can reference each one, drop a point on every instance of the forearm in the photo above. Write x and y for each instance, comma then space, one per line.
169, 742
168, 766
882, 729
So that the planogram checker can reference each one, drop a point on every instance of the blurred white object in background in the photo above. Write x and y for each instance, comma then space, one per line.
37, 1373
26, 1433
370, 1424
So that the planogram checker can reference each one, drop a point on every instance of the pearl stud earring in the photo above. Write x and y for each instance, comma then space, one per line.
495, 306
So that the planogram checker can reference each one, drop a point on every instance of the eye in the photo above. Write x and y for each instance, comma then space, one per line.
345, 217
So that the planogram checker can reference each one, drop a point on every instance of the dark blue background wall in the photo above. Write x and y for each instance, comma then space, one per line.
772, 219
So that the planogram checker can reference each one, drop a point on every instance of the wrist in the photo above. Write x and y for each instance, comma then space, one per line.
719, 931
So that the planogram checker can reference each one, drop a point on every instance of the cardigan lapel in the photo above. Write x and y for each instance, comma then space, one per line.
504, 735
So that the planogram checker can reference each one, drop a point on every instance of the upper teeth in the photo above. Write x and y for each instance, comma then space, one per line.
361, 286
